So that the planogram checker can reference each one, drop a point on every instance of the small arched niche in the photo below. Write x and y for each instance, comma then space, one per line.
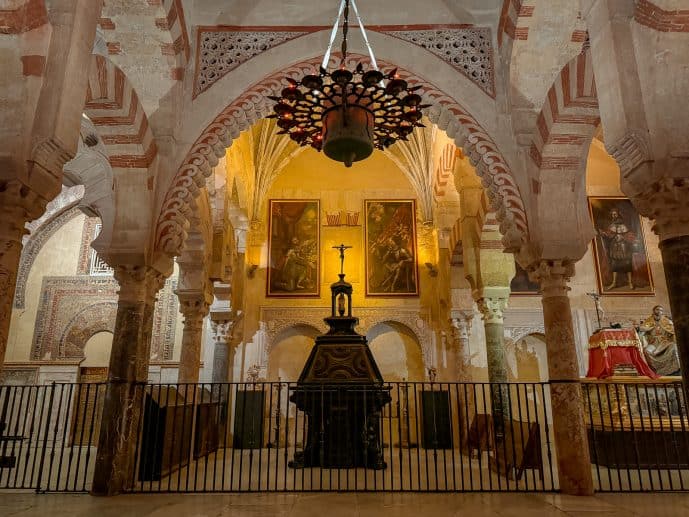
397, 351
290, 350
531, 358
97, 349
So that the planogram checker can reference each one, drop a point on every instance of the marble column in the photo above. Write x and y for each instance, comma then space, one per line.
18, 205
194, 308
569, 426
223, 352
492, 309
127, 377
461, 354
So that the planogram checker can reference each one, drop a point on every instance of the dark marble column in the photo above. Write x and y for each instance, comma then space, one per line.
569, 426
675, 254
127, 377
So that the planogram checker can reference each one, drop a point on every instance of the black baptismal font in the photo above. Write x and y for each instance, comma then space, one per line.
341, 392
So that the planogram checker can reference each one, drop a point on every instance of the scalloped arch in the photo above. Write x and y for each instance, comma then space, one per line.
178, 204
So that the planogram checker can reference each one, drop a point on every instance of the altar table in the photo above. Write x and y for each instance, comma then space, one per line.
611, 347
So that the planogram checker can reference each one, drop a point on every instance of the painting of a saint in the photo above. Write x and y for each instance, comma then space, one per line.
391, 268
619, 247
294, 248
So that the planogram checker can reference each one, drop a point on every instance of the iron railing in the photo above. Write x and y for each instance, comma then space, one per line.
241, 437
48, 436
431, 437
638, 435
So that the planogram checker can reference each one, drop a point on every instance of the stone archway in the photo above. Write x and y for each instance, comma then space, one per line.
99, 317
397, 351
179, 201
288, 351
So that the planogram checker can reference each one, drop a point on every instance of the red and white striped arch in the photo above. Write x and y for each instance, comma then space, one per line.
114, 108
568, 119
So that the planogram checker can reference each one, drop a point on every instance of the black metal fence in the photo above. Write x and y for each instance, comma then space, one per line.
638, 435
48, 436
430, 437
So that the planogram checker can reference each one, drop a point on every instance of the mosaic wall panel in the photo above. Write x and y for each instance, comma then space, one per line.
72, 309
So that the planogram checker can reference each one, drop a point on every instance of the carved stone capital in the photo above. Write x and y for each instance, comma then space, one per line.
222, 330
666, 202
194, 307
138, 283
492, 309
553, 276
460, 322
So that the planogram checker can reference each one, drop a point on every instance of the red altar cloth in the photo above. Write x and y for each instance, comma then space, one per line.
610, 347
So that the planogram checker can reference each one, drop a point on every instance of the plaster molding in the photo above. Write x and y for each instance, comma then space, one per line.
279, 319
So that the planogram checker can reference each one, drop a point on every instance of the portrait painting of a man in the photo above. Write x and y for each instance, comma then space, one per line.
391, 248
619, 247
294, 248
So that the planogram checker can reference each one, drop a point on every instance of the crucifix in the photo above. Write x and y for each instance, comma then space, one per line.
342, 249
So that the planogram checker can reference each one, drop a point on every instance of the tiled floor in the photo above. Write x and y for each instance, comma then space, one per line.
345, 505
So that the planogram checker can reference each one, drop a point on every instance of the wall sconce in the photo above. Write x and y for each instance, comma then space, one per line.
251, 270
432, 270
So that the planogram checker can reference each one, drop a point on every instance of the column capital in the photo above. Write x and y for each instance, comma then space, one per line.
138, 283
665, 201
460, 321
492, 308
194, 307
18, 205
222, 329
553, 276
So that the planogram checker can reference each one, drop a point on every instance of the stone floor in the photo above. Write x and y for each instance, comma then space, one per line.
345, 505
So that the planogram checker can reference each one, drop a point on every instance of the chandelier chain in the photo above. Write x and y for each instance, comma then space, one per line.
345, 30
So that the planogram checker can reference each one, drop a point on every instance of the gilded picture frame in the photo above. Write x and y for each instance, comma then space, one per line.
391, 254
294, 248
619, 248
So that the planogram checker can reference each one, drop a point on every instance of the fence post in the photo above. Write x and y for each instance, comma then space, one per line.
45, 438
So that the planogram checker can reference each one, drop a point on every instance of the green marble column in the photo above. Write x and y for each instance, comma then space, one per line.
492, 309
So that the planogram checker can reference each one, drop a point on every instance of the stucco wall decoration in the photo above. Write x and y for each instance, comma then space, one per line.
74, 308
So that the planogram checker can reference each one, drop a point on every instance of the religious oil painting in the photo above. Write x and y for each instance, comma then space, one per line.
391, 268
521, 284
620, 255
294, 248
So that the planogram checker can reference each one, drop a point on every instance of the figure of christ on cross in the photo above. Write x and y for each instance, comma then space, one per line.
342, 249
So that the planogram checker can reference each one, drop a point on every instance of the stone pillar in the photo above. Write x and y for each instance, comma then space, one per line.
675, 252
569, 426
127, 377
18, 205
492, 304
194, 307
224, 351
461, 329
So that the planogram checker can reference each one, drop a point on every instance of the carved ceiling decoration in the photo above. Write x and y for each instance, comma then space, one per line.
221, 49
468, 49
